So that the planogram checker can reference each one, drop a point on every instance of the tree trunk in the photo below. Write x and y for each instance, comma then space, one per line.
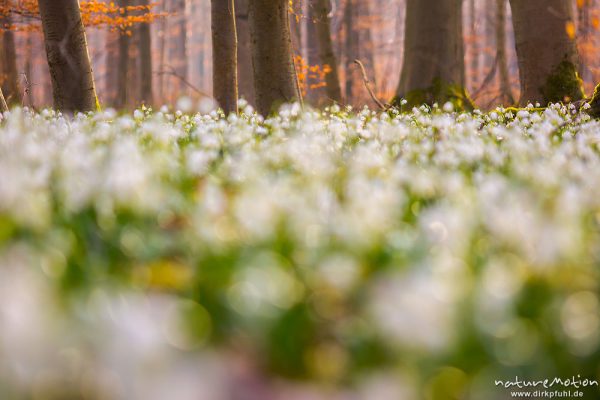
179, 50
162, 34
275, 80
10, 73
110, 74
123, 63
433, 68
28, 97
146, 92
321, 10
502, 59
351, 49
546, 51
366, 45
224, 44
244, 54
68, 58
474, 44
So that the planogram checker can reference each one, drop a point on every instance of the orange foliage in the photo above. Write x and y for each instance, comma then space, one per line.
94, 13
310, 76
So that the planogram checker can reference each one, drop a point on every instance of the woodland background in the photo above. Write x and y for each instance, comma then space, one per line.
180, 61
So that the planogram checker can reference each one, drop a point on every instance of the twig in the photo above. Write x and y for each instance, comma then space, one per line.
174, 73
488, 79
27, 90
368, 86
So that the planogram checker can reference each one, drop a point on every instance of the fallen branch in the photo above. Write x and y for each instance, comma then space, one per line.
3, 105
368, 86
171, 72
488, 79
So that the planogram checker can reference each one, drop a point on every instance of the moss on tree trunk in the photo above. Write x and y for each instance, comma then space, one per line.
438, 92
563, 84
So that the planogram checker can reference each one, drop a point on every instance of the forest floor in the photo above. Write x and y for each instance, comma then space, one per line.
313, 255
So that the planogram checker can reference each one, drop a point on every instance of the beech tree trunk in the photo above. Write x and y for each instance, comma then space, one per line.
275, 80
321, 10
178, 53
28, 98
68, 58
123, 63
224, 44
547, 53
10, 73
433, 67
146, 92
475, 50
162, 47
366, 45
350, 49
111, 74
244, 53
505, 88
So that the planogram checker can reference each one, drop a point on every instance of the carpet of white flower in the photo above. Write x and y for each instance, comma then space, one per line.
312, 255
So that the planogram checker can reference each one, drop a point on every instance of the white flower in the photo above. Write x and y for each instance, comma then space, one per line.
448, 107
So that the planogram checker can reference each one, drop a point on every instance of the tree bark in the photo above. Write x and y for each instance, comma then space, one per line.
162, 35
275, 80
68, 58
224, 44
109, 73
366, 45
433, 68
350, 49
10, 73
3, 105
475, 50
123, 62
321, 10
28, 97
146, 92
547, 55
502, 58
179, 47
244, 53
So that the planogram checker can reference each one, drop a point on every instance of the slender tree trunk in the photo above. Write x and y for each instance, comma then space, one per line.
310, 52
365, 45
162, 34
28, 97
68, 58
123, 62
275, 80
145, 37
321, 9
474, 44
244, 53
502, 58
9, 62
433, 68
111, 73
133, 68
224, 44
180, 47
351, 48
548, 59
